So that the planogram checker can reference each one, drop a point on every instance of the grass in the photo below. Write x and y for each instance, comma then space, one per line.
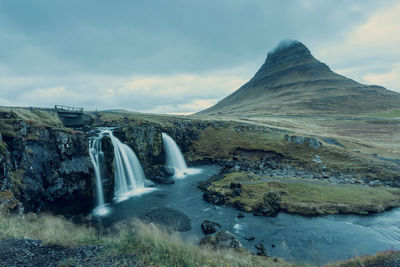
308, 197
394, 113
226, 141
146, 243
385, 258
36, 117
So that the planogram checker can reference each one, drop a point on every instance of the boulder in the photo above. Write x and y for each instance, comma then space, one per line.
261, 251
209, 227
221, 240
172, 220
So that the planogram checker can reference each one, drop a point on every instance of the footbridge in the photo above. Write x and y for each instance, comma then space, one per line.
70, 116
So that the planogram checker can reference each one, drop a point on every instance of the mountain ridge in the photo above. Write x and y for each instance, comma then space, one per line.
292, 81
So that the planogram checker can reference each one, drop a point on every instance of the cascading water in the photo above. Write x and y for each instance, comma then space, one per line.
175, 163
129, 176
97, 158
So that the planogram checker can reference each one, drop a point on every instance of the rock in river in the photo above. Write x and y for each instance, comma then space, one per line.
172, 220
223, 239
209, 227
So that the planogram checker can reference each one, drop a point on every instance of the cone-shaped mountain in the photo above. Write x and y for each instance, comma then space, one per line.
292, 81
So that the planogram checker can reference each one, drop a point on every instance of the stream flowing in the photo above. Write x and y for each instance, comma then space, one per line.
296, 238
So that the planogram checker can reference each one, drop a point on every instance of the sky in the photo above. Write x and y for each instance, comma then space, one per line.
180, 56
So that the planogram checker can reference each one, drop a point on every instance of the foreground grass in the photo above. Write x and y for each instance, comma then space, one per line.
387, 258
146, 244
307, 197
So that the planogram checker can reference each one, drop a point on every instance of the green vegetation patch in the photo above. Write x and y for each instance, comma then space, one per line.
3, 148
17, 181
394, 113
308, 197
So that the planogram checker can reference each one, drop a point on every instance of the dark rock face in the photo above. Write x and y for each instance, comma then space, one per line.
146, 141
221, 240
209, 227
216, 198
108, 182
29, 252
172, 220
47, 168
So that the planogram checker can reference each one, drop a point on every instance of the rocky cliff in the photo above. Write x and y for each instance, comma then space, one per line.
45, 167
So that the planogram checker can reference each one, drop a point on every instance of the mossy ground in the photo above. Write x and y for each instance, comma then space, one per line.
308, 197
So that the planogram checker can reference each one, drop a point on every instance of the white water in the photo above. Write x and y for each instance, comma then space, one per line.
175, 160
97, 158
129, 175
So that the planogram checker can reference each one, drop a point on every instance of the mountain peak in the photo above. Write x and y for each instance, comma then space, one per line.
289, 52
288, 45
292, 81
289, 55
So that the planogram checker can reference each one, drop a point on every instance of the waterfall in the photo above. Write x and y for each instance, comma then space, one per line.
175, 163
129, 176
97, 158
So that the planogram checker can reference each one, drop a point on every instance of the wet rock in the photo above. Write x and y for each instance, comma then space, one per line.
209, 227
250, 238
215, 198
172, 220
240, 215
222, 239
261, 251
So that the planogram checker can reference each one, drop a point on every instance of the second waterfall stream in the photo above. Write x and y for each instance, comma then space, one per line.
175, 162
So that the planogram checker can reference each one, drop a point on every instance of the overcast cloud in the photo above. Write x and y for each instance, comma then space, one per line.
180, 56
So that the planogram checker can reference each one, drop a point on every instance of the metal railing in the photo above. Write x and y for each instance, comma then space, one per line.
61, 108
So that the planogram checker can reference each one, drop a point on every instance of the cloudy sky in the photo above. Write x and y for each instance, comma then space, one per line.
180, 56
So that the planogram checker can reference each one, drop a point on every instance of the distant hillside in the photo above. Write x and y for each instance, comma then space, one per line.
292, 81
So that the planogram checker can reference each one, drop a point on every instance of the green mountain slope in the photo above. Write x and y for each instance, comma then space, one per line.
292, 81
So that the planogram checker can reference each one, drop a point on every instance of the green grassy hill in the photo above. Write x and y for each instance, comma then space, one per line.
292, 81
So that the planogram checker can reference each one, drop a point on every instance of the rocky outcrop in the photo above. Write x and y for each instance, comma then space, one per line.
209, 227
145, 139
108, 168
172, 220
312, 142
46, 168
270, 206
221, 240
